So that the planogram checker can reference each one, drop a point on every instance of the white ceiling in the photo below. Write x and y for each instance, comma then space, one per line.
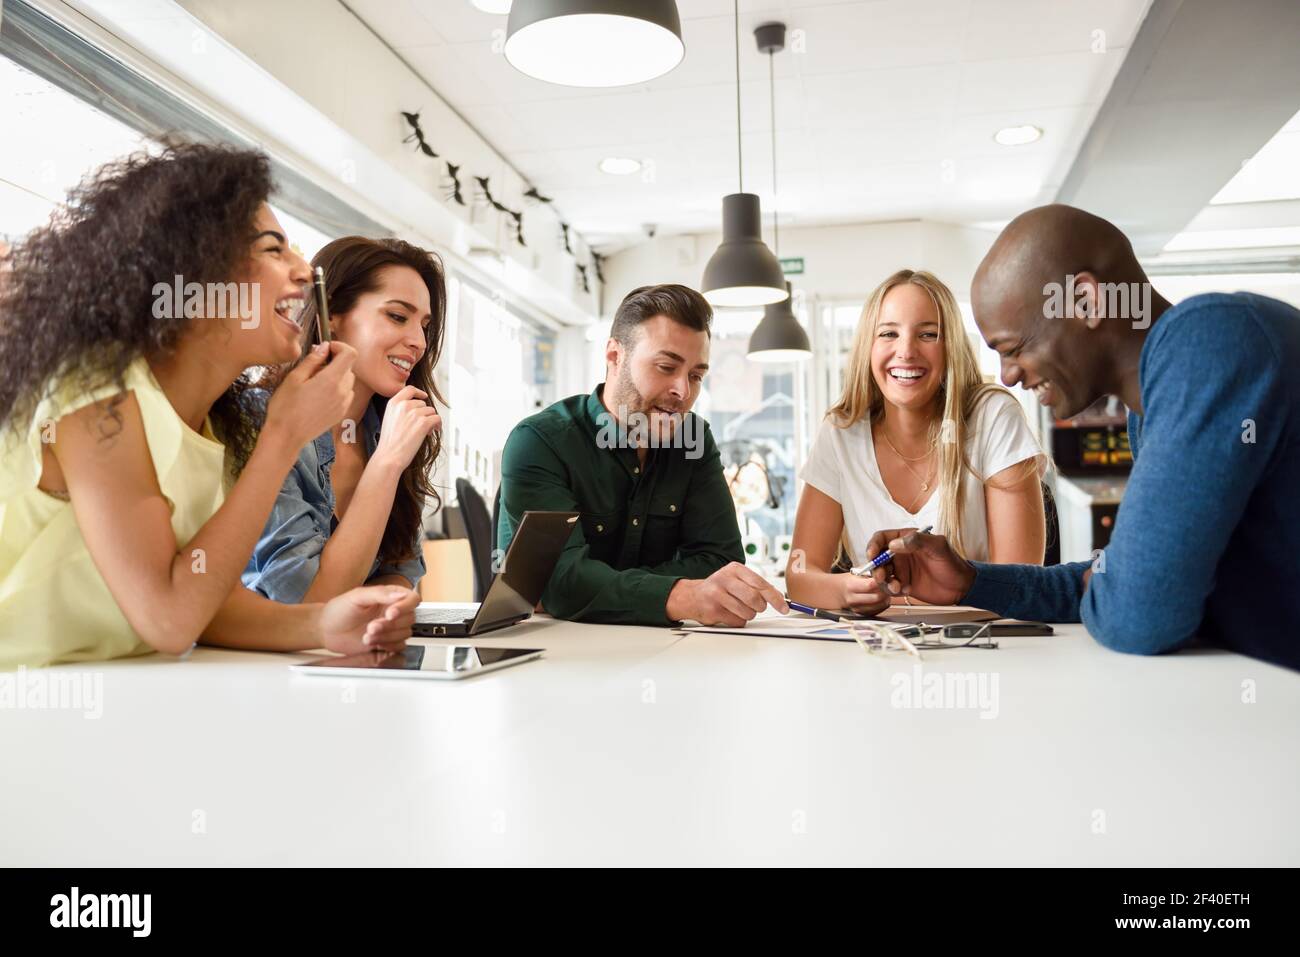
888, 114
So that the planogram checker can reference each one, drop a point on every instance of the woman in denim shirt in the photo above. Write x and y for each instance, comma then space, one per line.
350, 511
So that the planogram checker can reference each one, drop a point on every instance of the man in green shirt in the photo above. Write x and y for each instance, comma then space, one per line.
658, 540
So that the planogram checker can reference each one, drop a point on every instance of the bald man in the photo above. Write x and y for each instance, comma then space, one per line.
1206, 546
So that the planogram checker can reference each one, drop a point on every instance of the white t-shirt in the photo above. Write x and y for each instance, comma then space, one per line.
842, 464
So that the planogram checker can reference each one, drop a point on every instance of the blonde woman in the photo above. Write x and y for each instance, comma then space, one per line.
916, 439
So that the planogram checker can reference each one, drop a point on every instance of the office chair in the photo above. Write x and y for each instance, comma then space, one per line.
482, 540
1052, 554
496, 515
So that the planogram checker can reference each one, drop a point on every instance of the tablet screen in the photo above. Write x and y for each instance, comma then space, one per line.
446, 659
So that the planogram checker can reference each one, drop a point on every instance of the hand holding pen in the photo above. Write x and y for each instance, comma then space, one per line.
920, 564
884, 558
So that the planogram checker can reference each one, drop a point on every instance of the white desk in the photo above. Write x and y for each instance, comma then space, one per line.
636, 746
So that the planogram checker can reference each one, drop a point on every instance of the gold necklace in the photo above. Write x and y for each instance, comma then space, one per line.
925, 484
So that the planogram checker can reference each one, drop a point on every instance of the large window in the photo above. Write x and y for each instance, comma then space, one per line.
500, 368
757, 414
52, 140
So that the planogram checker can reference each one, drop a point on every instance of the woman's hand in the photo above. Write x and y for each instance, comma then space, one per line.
373, 617
408, 420
313, 398
862, 594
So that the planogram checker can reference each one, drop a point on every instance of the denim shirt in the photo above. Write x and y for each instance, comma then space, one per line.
287, 558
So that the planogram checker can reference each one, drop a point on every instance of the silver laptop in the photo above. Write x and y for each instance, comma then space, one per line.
515, 590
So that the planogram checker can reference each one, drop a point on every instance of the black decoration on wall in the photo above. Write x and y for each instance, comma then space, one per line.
597, 260
582, 274
485, 192
485, 188
453, 190
453, 187
417, 135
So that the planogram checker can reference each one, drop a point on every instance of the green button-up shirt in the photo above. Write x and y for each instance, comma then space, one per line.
643, 528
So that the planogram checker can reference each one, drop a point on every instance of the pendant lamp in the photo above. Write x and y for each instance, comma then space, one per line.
743, 271
779, 337
594, 43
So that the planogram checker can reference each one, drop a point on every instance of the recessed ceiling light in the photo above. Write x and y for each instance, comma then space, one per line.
492, 6
619, 165
1017, 135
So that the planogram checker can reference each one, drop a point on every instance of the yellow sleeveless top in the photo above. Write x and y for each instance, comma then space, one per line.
54, 605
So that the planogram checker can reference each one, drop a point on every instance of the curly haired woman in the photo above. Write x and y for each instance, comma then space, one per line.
120, 532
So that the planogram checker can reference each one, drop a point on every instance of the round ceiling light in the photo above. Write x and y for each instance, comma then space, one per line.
1017, 135
619, 165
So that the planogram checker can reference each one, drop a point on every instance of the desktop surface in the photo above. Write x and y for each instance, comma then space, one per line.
642, 746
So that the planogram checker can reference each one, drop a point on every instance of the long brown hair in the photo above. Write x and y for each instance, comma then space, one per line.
961, 392
352, 266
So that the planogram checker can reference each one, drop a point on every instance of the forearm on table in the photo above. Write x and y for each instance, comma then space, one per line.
1028, 591
248, 621
350, 551
205, 569
587, 589
814, 586
699, 564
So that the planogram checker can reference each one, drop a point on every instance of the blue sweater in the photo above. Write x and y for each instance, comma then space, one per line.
1206, 544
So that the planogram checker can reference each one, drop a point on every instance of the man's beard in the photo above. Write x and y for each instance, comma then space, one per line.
630, 406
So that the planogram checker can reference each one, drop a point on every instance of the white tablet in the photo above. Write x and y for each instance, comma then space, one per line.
442, 662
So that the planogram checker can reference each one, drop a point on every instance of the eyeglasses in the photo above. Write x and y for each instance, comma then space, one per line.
877, 637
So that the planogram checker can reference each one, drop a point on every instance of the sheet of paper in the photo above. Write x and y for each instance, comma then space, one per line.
773, 624
779, 627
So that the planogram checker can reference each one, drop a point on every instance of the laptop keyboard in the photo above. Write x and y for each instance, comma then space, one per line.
445, 616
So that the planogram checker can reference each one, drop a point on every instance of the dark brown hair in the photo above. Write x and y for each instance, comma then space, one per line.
352, 265
679, 303
79, 299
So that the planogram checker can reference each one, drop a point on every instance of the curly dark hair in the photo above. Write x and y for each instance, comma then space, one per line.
351, 265
78, 301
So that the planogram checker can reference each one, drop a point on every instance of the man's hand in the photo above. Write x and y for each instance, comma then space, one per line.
372, 617
924, 566
730, 596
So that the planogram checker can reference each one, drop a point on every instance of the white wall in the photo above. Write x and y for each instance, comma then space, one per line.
842, 264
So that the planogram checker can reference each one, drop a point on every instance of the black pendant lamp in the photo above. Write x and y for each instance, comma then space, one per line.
779, 337
743, 271
594, 42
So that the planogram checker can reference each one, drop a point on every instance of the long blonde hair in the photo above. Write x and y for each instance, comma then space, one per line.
961, 392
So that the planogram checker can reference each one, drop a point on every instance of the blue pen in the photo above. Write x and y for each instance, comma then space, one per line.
884, 558
815, 612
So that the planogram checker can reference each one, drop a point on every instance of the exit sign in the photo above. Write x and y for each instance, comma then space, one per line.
792, 266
